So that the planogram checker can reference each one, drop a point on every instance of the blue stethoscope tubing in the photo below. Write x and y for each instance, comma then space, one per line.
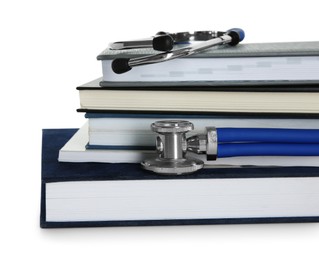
267, 142
266, 149
271, 135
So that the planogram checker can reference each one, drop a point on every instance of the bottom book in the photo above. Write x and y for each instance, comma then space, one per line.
123, 194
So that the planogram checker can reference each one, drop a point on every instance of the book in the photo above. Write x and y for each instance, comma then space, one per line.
133, 130
93, 97
76, 150
96, 195
244, 64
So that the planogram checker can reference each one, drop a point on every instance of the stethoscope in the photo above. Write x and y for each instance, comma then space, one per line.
172, 145
165, 42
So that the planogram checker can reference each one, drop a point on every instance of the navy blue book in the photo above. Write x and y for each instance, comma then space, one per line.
105, 194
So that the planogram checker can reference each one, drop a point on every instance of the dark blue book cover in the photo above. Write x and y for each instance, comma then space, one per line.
54, 171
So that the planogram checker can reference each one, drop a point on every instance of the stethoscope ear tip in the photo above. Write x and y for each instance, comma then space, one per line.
163, 43
121, 65
237, 36
239, 32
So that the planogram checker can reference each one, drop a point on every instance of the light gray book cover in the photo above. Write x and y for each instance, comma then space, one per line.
241, 50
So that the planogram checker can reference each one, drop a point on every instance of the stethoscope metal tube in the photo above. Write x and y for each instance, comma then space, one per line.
164, 41
231, 37
182, 52
172, 145
159, 43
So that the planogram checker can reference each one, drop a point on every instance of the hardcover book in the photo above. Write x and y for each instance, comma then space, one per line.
283, 63
97, 194
134, 130
93, 97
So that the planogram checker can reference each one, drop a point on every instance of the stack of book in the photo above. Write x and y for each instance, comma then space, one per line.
97, 180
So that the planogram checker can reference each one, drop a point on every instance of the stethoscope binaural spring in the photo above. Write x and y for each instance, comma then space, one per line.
121, 65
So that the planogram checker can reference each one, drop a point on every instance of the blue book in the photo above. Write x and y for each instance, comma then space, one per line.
106, 194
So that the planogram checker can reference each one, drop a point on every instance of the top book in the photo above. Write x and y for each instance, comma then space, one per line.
244, 64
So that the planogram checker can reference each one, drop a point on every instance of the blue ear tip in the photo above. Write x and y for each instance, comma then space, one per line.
240, 33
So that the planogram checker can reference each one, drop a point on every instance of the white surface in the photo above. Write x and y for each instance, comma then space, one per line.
56, 42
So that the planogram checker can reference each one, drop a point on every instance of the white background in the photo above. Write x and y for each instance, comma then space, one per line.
50, 47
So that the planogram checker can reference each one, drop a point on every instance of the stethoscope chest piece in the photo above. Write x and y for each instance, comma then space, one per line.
171, 147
